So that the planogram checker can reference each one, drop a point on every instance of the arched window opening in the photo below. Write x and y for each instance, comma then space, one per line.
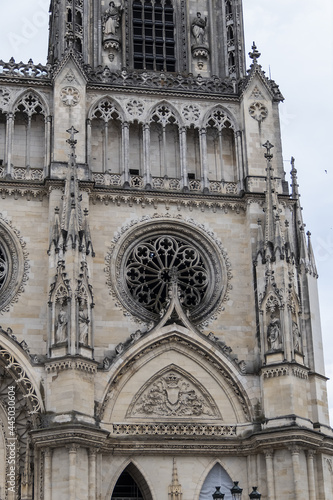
126, 488
106, 138
193, 154
29, 133
153, 35
228, 8
164, 143
135, 148
69, 15
216, 477
2, 138
221, 154
131, 485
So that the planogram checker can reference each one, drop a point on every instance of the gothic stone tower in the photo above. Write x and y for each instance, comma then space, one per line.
160, 323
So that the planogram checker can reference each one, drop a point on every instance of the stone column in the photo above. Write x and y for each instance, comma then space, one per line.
106, 144
72, 451
270, 474
9, 142
28, 143
203, 155
88, 150
48, 474
47, 145
92, 474
296, 471
311, 474
183, 165
239, 158
125, 152
146, 155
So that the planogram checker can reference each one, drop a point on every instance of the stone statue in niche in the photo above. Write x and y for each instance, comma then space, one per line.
111, 24
84, 322
296, 337
111, 20
199, 29
61, 326
274, 334
200, 50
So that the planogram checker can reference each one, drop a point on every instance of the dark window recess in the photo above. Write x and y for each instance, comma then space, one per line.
134, 171
126, 488
191, 176
154, 35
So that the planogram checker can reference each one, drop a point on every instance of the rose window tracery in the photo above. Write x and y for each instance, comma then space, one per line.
3, 267
145, 262
155, 262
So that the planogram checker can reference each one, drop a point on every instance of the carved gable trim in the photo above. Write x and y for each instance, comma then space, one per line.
173, 392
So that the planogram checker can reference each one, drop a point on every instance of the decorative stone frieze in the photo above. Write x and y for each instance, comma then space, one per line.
174, 429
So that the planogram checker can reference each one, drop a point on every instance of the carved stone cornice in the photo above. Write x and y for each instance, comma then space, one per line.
173, 429
280, 370
71, 363
84, 436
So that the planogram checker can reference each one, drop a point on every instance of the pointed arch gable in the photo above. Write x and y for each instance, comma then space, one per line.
131, 466
229, 116
118, 107
186, 344
37, 94
167, 105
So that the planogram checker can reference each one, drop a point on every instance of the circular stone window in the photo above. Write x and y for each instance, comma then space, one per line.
13, 267
144, 263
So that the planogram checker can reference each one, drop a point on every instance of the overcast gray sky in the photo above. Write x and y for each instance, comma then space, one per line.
295, 40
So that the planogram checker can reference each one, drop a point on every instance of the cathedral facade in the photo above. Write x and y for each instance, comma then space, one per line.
160, 332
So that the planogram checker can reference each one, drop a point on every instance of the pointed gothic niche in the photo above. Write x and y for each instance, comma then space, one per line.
173, 393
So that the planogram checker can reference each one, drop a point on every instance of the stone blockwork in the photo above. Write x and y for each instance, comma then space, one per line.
158, 296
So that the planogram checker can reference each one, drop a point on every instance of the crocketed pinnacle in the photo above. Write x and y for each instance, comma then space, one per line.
72, 230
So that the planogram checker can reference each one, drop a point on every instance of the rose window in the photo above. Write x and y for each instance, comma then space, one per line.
3, 267
148, 259
153, 263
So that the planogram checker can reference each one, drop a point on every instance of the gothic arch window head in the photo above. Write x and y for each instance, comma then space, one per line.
153, 35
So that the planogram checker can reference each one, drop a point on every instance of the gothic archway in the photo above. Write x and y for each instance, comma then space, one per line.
131, 485
217, 476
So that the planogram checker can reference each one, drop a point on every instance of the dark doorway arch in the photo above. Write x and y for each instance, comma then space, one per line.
131, 485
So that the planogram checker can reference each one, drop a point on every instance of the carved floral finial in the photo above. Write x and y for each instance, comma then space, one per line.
255, 54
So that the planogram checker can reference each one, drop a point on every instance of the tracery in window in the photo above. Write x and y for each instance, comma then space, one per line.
106, 138
164, 143
3, 266
29, 132
153, 35
220, 147
145, 263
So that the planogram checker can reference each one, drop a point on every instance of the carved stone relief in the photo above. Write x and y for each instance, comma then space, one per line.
70, 96
258, 111
173, 394
4, 98
200, 49
191, 113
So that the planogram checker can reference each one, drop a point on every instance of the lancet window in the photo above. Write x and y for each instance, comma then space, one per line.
164, 143
2, 138
29, 132
221, 156
153, 35
106, 138
74, 22
230, 21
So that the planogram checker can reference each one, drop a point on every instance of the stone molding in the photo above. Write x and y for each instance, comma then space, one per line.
280, 371
71, 364
174, 429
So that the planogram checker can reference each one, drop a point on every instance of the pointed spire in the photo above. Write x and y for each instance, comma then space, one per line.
294, 185
312, 261
175, 489
269, 222
55, 232
278, 238
254, 55
72, 213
